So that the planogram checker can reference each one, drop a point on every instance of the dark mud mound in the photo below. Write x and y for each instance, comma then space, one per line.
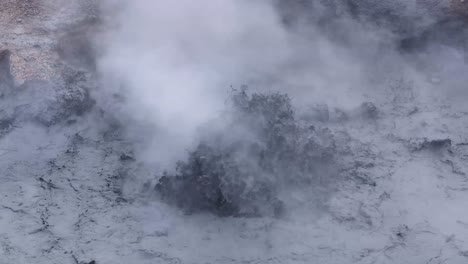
41, 102
240, 169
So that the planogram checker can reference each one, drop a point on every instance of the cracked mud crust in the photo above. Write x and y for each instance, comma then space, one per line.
73, 189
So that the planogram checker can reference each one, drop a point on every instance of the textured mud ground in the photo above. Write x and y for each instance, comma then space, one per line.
31, 29
72, 190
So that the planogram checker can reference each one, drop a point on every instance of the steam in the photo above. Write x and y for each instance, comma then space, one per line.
176, 61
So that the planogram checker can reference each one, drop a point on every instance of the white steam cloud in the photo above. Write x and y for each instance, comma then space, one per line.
176, 60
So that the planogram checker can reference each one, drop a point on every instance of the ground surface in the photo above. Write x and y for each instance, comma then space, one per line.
71, 194
31, 30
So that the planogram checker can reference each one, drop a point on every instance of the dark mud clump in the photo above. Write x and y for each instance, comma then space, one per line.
240, 169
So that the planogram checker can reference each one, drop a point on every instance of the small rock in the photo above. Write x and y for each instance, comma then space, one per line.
413, 111
433, 145
91, 262
369, 110
438, 144
125, 157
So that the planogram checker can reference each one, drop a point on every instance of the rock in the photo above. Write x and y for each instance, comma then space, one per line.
5, 124
90, 262
6, 78
369, 110
437, 143
413, 111
431, 144
125, 157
